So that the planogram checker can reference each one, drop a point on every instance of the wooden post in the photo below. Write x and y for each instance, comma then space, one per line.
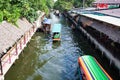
30, 32
24, 39
20, 44
9, 57
26, 34
16, 49
1, 67
33, 28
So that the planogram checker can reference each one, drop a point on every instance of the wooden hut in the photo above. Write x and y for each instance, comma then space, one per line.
12, 41
46, 25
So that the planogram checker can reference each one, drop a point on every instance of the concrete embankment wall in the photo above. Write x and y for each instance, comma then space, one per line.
97, 44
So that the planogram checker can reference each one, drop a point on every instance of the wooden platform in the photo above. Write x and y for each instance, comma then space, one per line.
9, 58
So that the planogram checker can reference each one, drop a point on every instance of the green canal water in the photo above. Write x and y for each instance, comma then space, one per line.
44, 60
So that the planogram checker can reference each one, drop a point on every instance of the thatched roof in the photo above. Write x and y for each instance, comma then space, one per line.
107, 1
9, 34
24, 25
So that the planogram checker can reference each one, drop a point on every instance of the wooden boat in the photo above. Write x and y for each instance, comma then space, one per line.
46, 25
57, 13
91, 69
56, 32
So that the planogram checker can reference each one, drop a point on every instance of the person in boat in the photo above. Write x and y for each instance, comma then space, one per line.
56, 35
47, 28
57, 13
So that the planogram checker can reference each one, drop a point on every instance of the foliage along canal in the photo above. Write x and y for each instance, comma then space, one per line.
44, 60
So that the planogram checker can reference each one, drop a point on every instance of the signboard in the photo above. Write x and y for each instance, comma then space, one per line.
106, 6
102, 6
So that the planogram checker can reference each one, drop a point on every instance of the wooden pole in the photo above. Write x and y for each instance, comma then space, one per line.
9, 57
25, 39
16, 49
20, 44
1, 67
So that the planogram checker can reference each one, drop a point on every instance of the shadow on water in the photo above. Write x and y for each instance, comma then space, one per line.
44, 60
56, 44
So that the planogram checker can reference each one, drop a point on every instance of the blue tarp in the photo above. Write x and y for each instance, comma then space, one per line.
56, 28
46, 21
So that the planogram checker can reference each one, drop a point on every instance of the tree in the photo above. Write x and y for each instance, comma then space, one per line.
79, 3
63, 5
50, 3
12, 10
89, 2
68, 4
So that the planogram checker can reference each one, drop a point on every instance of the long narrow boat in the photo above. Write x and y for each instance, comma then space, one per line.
91, 69
56, 32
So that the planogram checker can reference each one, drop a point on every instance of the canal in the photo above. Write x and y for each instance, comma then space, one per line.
44, 60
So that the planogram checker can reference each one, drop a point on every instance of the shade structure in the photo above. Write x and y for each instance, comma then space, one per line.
10, 34
56, 28
107, 1
46, 21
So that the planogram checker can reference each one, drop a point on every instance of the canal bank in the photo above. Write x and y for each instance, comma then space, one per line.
13, 41
101, 41
43, 60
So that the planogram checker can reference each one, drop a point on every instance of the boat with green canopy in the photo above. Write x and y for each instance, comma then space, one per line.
91, 69
56, 32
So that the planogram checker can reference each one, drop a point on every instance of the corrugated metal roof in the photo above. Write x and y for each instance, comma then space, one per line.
107, 19
113, 33
9, 33
110, 30
112, 12
108, 1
